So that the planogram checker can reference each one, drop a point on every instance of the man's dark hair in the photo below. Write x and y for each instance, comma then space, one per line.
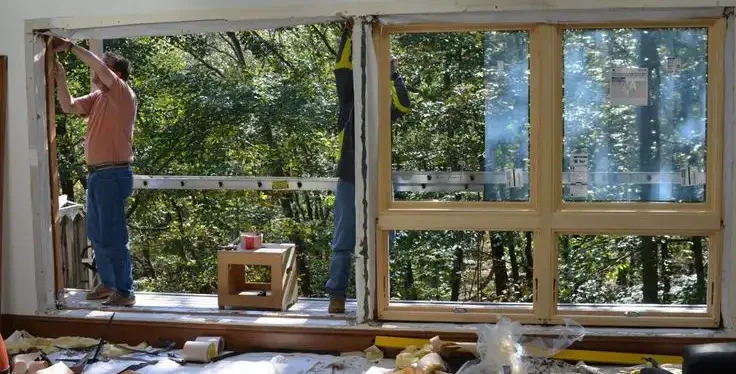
120, 65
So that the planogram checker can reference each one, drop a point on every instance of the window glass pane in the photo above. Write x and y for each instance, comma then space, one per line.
619, 270
469, 94
461, 266
635, 115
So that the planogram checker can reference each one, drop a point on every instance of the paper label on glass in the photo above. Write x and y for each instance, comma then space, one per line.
689, 176
629, 86
514, 178
579, 178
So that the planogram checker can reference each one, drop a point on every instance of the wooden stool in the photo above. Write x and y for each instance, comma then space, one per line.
233, 290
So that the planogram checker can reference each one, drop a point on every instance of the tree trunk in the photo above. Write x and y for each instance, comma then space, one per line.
698, 259
664, 259
410, 292
305, 281
529, 261
150, 270
499, 265
67, 188
511, 244
456, 276
308, 202
649, 158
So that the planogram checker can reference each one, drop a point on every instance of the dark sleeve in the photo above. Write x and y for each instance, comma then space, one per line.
344, 83
344, 68
400, 102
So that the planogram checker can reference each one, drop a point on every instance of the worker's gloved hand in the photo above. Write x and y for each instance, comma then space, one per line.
348, 24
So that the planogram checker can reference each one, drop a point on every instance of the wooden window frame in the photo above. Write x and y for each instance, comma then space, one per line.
545, 214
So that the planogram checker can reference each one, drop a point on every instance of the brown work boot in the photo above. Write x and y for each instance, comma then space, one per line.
337, 305
99, 293
117, 299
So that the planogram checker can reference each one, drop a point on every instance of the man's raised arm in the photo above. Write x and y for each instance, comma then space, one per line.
106, 76
400, 102
69, 104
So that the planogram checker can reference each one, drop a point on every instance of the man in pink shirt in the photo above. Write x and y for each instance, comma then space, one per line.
110, 113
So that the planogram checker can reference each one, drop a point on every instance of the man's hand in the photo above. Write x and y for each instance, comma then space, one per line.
61, 44
348, 25
106, 76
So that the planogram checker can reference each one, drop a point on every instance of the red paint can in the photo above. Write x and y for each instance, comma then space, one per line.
251, 241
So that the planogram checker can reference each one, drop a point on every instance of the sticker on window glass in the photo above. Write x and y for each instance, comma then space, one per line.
689, 177
579, 176
514, 178
629, 86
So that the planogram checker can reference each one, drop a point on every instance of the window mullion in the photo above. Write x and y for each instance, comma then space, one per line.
545, 143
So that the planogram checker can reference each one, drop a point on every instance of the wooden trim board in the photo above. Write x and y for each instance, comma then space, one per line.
306, 339
50, 57
3, 137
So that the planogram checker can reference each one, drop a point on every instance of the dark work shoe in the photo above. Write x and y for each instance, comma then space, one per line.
118, 299
337, 305
100, 293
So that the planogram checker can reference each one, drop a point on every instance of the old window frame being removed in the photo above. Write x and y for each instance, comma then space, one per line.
545, 214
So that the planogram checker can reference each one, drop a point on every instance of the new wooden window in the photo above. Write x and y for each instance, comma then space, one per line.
600, 149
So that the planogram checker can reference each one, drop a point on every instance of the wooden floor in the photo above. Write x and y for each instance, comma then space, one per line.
150, 302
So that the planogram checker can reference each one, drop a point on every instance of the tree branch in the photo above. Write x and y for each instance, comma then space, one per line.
324, 39
201, 60
274, 50
237, 48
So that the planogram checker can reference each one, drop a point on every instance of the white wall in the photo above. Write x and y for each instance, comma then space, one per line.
20, 269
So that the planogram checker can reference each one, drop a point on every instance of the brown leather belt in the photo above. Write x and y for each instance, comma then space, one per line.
93, 168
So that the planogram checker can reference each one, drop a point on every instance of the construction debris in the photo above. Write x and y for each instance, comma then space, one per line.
76, 355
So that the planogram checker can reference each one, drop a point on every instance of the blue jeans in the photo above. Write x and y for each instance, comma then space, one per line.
343, 241
108, 191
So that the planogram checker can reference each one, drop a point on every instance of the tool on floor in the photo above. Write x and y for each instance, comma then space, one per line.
91, 358
652, 362
654, 371
134, 367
